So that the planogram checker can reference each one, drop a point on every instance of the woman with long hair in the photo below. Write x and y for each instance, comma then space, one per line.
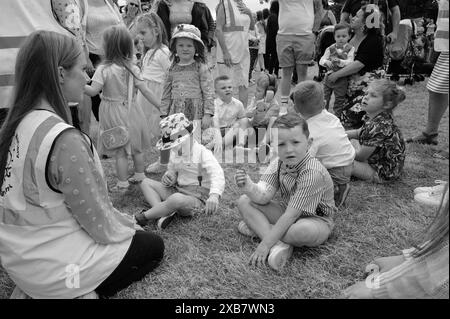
57, 221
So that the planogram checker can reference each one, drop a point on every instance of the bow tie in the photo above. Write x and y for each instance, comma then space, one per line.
289, 169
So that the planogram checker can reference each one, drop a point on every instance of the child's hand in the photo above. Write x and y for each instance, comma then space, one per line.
168, 179
212, 204
260, 106
206, 121
240, 178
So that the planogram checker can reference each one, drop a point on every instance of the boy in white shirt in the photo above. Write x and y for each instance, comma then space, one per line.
194, 180
229, 113
337, 56
330, 145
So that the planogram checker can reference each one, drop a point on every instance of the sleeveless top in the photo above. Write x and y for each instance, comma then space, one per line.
41, 243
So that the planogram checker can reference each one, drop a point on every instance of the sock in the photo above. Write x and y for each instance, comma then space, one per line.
284, 105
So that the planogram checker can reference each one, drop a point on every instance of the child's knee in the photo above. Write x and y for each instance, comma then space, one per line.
149, 183
243, 203
307, 233
176, 201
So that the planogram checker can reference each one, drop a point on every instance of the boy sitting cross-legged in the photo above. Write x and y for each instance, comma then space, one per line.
194, 180
330, 145
304, 216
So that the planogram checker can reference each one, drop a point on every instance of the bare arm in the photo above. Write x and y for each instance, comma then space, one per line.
93, 89
345, 17
350, 69
147, 93
220, 24
353, 134
396, 16
364, 153
318, 12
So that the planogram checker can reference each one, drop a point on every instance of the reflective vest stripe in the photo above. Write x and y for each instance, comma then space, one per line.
11, 42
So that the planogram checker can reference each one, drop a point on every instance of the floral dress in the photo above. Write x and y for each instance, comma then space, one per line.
389, 156
188, 89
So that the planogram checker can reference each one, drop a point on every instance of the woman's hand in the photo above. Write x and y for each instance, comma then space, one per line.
227, 59
168, 179
206, 121
332, 77
212, 204
358, 291
259, 257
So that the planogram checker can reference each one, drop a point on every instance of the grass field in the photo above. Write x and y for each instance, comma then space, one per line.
206, 257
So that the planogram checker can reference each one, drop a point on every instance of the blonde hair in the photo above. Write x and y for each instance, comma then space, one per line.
118, 46
391, 92
308, 97
153, 21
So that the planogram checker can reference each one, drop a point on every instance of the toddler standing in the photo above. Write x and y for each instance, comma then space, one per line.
337, 56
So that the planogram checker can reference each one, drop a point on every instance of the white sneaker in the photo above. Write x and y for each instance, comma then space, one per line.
156, 168
438, 188
279, 255
431, 199
245, 230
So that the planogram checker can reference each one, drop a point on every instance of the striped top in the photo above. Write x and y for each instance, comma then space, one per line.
441, 36
306, 186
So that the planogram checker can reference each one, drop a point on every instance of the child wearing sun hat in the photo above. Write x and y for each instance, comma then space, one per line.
194, 180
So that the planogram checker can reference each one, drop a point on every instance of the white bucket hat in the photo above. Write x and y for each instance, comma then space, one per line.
187, 31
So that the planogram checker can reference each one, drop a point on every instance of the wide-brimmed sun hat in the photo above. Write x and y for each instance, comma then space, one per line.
174, 130
187, 31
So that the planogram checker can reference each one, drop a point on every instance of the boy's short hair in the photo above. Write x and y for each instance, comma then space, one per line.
308, 97
341, 26
221, 78
292, 120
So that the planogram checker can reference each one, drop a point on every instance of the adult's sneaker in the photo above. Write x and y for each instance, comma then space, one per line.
279, 254
431, 199
163, 222
436, 189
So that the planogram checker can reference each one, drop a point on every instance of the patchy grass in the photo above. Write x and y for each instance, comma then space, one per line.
205, 256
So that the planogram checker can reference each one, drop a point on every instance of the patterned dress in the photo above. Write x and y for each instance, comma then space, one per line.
188, 89
389, 156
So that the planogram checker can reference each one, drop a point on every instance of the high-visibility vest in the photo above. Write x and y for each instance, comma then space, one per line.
19, 18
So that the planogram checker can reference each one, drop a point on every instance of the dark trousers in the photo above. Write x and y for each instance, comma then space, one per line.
340, 94
253, 57
272, 65
95, 59
145, 253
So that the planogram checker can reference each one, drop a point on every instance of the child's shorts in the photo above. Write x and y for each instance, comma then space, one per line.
199, 194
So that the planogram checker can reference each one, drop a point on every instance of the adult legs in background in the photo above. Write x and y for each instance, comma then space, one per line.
253, 58
144, 255
438, 101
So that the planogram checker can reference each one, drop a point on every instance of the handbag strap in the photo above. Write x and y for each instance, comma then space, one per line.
129, 95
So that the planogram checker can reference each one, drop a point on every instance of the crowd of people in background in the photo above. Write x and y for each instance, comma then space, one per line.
165, 76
